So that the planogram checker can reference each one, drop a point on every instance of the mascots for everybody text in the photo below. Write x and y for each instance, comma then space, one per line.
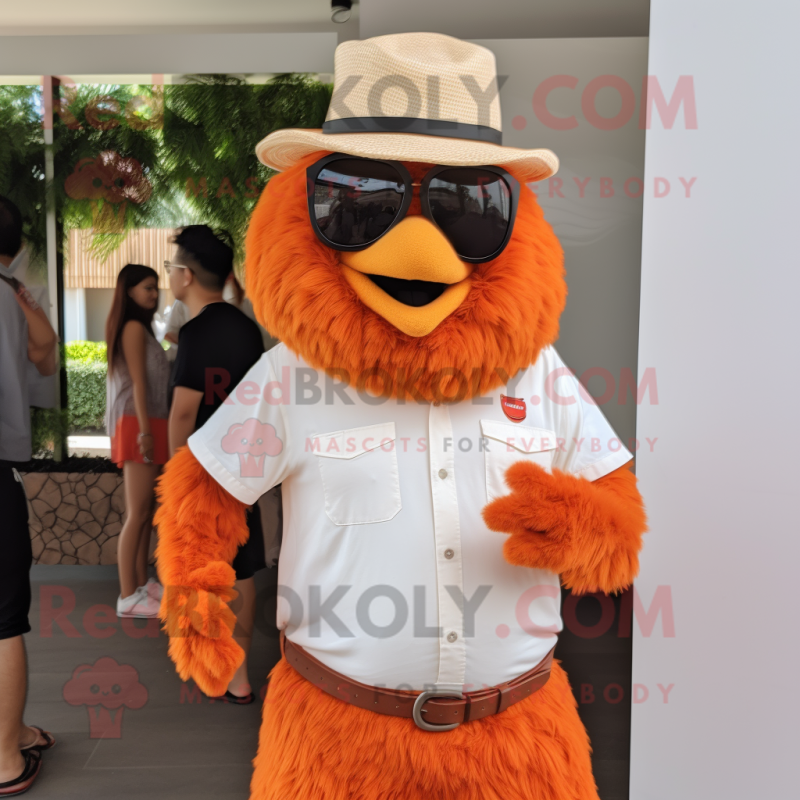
442, 472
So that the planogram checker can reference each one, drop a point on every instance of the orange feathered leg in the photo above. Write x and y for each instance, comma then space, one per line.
200, 527
313, 746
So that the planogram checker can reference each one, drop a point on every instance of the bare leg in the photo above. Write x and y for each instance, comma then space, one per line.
13, 686
140, 482
143, 553
244, 606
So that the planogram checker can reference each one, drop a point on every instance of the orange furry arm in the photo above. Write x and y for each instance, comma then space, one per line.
200, 527
588, 532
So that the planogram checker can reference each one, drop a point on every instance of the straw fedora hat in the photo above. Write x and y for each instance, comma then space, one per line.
411, 97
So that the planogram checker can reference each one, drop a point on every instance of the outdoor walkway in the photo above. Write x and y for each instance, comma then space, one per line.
89, 445
167, 740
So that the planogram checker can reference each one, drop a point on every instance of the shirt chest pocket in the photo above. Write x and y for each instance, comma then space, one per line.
505, 443
359, 474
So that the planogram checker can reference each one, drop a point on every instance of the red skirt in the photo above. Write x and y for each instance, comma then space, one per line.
124, 446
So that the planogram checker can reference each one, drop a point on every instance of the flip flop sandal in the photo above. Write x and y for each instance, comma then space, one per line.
228, 697
33, 765
48, 738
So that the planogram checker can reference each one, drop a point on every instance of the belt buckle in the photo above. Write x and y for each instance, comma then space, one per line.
416, 713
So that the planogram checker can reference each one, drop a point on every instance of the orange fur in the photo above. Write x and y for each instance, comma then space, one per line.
200, 527
300, 295
588, 532
317, 747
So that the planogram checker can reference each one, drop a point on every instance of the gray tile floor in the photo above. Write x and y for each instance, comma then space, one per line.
177, 744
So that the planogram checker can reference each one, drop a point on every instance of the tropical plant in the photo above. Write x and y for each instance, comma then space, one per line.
134, 156
107, 141
182, 153
22, 158
211, 127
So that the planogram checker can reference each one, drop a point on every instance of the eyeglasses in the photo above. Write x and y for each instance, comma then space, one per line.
169, 266
354, 201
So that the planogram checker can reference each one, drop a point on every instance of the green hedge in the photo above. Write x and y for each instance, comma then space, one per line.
86, 395
86, 369
86, 352
86, 385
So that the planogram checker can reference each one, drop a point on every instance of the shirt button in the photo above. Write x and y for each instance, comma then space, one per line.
448, 553
442, 473
452, 636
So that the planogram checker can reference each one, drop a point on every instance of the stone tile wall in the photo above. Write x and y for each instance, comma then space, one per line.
75, 518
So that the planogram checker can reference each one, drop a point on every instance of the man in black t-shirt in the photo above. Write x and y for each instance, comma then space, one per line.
216, 348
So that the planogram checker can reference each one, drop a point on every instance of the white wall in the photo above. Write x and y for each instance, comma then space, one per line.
121, 54
74, 315
720, 284
506, 19
599, 225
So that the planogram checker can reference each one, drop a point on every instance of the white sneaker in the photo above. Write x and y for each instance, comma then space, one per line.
139, 604
154, 589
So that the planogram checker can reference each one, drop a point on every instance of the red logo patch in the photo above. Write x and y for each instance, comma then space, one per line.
513, 408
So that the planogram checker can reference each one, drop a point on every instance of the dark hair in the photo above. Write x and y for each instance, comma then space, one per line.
10, 228
124, 308
212, 250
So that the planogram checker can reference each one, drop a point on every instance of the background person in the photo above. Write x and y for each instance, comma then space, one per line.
270, 504
26, 337
136, 420
218, 341
178, 317
232, 293
42, 389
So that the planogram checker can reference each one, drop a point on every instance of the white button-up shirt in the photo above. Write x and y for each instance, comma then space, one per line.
387, 572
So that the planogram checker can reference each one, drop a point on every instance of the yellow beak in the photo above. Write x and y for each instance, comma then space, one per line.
415, 249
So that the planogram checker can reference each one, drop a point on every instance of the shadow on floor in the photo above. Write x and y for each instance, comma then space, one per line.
150, 734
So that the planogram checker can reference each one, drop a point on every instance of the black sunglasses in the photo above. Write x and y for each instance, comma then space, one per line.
354, 201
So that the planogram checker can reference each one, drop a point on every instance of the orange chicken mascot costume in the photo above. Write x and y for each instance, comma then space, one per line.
443, 472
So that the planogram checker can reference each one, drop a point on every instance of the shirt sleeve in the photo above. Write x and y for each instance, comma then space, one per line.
590, 447
244, 446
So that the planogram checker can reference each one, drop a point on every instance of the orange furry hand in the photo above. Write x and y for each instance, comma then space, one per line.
588, 532
200, 528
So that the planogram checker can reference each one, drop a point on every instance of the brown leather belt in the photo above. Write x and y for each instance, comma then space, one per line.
430, 710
